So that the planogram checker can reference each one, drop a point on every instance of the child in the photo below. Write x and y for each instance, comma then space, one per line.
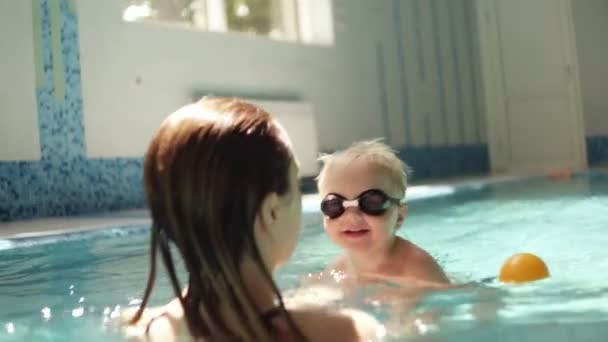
363, 189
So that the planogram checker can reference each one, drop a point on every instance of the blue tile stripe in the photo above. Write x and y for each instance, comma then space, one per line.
597, 150
47, 188
61, 124
64, 182
446, 161
427, 162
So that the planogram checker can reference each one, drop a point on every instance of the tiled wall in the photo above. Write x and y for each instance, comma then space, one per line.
597, 150
423, 82
446, 161
63, 181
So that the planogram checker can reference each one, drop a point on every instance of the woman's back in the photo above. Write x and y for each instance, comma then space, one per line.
316, 324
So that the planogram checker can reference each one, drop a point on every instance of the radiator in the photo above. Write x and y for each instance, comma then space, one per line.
299, 121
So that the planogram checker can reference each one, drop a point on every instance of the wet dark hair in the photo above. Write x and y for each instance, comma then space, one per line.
207, 171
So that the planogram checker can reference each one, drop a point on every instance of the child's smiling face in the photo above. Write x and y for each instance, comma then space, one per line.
354, 230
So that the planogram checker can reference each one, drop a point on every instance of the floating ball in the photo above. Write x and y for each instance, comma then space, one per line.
523, 267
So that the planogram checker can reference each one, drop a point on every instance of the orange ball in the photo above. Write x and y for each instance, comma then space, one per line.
561, 175
523, 267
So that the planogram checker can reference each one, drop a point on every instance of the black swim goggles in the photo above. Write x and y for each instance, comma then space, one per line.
373, 202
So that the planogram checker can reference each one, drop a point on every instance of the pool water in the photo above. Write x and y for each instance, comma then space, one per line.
67, 287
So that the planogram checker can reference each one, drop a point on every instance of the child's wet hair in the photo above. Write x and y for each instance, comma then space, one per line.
375, 152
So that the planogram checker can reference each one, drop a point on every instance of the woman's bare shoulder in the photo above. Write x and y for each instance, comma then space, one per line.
164, 323
319, 324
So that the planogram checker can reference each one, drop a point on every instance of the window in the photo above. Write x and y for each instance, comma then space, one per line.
304, 21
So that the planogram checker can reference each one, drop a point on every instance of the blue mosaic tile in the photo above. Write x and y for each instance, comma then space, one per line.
597, 150
428, 162
10, 189
109, 178
64, 182
445, 161
73, 122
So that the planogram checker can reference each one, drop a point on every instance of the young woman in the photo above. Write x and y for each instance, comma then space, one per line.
222, 187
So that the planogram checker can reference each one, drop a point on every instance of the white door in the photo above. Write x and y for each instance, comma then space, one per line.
541, 95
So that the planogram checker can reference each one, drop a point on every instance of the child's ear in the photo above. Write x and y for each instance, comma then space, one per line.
402, 214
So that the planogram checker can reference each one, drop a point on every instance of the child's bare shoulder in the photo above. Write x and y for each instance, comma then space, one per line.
412, 251
419, 263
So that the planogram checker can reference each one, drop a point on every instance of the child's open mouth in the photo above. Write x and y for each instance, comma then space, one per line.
355, 232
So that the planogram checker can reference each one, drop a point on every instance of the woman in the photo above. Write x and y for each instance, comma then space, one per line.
222, 186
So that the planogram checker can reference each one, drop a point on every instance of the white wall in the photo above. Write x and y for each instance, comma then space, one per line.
134, 74
533, 101
591, 23
19, 137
